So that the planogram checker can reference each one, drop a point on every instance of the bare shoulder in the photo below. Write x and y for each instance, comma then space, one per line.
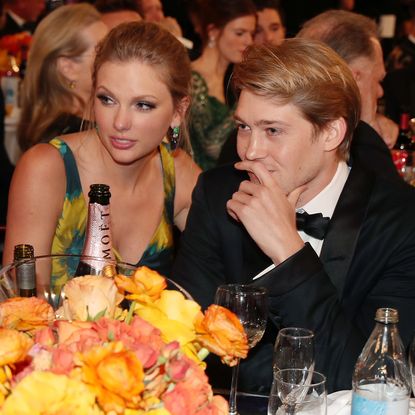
187, 172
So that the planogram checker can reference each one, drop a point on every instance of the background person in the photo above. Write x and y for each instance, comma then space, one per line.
140, 96
270, 26
354, 37
227, 28
297, 109
57, 85
114, 12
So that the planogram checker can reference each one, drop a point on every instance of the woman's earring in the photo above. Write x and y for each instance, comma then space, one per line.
174, 137
72, 84
212, 42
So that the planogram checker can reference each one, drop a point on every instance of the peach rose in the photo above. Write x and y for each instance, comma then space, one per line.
14, 346
115, 375
25, 314
144, 285
221, 332
90, 298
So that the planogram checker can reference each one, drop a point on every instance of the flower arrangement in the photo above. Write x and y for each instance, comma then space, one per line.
15, 46
95, 357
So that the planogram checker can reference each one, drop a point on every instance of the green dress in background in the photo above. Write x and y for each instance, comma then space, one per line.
71, 227
211, 123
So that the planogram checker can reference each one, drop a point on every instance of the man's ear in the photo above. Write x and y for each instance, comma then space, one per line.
68, 68
180, 111
334, 134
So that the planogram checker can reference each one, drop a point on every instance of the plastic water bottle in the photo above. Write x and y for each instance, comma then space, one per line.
381, 379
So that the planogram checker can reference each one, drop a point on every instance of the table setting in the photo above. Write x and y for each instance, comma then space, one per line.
129, 341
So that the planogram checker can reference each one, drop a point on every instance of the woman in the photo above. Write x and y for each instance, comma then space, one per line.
141, 87
227, 28
57, 84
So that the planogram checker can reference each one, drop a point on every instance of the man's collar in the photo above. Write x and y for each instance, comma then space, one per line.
325, 202
19, 20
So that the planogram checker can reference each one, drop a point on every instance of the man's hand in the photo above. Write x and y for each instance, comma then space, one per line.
267, 213
387, 129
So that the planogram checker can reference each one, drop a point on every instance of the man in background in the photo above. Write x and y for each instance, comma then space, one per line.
270, 22
354, 38
21, 15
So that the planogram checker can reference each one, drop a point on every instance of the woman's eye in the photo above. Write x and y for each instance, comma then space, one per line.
106, 100
242, 127
145, 106
274, 131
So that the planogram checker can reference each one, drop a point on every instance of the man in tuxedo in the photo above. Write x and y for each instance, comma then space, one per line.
354, 37
298, 106
21, 15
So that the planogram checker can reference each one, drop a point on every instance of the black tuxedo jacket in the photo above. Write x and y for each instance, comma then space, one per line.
367, 261
11, 27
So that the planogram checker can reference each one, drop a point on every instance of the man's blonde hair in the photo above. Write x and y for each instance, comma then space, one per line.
307, 74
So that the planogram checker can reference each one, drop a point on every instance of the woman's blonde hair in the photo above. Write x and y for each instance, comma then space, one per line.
150, 44
307, 74
46, 94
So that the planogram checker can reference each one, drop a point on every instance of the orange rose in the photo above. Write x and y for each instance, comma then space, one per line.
25, 313
115, 375
221, 332
144, 285
14, 346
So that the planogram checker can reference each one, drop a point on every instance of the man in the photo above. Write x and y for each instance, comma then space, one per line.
270, 24
354, 38
21, 15
115, 12
298, 106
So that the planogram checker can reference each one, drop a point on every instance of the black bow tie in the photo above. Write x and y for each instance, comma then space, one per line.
314, 225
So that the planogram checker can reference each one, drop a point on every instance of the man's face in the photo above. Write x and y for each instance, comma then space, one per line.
369, 73
279, 137
152, 10
269, 29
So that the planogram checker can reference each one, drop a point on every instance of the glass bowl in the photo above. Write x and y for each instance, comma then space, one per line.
53, 271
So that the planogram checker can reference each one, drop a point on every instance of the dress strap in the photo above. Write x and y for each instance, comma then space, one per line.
73, 181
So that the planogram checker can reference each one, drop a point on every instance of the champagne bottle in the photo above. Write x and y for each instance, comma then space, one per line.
381, 379
98, 242
25, 270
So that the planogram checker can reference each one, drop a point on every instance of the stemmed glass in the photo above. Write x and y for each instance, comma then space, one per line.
293, 349
250, 305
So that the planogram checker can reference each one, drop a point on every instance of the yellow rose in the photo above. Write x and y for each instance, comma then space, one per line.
25, 313
173, 315
42, 393
14, 346
89, 298
116, 376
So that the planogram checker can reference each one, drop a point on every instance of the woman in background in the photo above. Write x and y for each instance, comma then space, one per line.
141, 94
227, 28
57, 84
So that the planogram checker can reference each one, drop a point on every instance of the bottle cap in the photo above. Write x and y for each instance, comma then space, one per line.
23, 251
99, 193
387, 315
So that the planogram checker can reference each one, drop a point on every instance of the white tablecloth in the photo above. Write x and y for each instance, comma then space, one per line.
339, 403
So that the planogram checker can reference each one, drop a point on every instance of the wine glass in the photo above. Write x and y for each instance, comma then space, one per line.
301, 391
293, 349
249, 303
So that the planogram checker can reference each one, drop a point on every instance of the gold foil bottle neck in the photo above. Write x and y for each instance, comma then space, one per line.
109, 271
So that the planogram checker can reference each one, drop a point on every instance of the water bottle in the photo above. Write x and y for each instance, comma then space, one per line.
381, 379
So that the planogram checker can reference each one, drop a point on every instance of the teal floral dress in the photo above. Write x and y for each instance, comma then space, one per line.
71, 227
210, 125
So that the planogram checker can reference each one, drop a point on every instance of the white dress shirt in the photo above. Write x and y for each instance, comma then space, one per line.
325, 202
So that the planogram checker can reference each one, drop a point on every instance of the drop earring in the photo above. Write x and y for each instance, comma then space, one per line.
174, 137
212, 42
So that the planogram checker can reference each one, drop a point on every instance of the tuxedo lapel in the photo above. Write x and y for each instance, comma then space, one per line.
345, 225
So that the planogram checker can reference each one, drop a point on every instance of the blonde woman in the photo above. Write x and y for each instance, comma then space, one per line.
58, 82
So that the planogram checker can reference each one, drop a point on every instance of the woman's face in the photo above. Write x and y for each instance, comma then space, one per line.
92, 35
235, 37
133, 110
